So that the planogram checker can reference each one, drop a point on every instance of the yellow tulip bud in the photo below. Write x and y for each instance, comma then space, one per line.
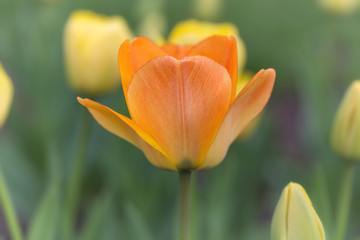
345, 137
91, 44
192, 31
294, 217
339, 6
6, 95
249, 129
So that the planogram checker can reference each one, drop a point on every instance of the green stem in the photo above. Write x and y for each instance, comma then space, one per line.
185, 179
75, 178
344, 201
8, 209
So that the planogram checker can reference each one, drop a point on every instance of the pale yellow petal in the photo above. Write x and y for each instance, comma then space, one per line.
91, 43
295, 217
6, 95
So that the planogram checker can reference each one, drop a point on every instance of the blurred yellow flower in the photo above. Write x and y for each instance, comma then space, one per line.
345, 138
91, 43
182, 100
339, 6
295, 217
6, 95
192, 31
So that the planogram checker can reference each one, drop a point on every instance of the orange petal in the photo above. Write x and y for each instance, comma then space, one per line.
177, 51
126, 70
223, 50
130, 131
248, 103
143, 50
181, 104
133, 56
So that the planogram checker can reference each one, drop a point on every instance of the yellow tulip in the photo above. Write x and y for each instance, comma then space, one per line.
295, 217
6, 95
184, 109
339, 6
192, 31
91, 42
345, 138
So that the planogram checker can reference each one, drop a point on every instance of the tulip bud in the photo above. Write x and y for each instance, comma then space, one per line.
339, 6
192, 31
6, 95
294, 217
345, 138
91, 44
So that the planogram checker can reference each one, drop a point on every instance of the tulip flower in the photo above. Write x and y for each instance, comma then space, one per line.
90, 45
192, 31
6, 95
339, 6
182, 100
345, 138
295, 217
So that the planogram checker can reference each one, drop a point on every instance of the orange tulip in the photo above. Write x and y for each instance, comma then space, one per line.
182, 101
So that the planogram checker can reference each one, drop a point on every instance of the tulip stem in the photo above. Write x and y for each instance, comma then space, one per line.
344, 201
9, 211
185, 180
75, 178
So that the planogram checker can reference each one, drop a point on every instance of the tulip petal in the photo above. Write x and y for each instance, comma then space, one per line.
248, 103
181, 104
133, 56
127, 129
177, 51
126, 70
295, 216
223, 50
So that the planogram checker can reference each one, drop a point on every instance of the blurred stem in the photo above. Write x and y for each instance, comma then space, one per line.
185, 180
344, 201
76, 176
8, 209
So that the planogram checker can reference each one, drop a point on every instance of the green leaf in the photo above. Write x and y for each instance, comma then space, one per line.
45, 221
44, 224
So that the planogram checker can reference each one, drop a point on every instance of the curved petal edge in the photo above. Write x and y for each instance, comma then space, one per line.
247, 105
127, 129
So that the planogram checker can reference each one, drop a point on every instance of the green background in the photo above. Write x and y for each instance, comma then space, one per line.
316, 55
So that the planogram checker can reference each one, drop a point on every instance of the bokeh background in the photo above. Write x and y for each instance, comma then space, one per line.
316, 54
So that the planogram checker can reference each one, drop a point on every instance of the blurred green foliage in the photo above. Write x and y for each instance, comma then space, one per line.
316, 55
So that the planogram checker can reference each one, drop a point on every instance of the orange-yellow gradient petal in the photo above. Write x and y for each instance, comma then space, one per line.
130, 131
181, 104
248, 103
177, 51
223, 50
126, 70
134, 55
